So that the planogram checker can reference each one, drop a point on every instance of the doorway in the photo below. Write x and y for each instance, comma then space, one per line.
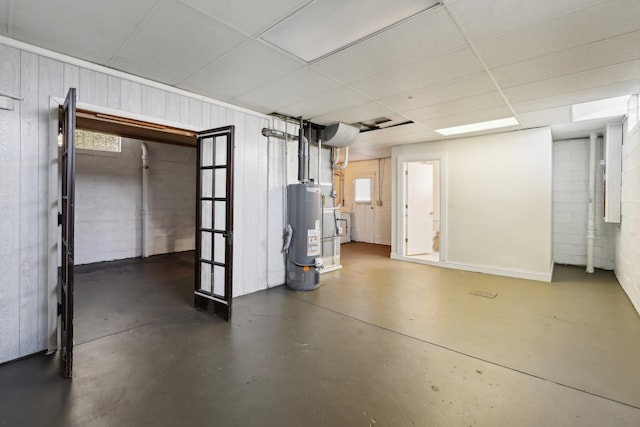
213, 185
422, 194
363, 224
120, 282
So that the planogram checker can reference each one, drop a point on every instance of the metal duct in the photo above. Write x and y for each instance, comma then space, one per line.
340, 135
303, 158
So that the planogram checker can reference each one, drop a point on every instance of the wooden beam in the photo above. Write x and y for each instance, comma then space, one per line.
136, 129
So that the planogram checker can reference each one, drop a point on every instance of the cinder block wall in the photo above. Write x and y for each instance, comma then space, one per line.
570, 201
108, 189
108, 201
628, 233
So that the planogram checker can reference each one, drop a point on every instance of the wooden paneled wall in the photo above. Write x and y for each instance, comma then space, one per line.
28, 209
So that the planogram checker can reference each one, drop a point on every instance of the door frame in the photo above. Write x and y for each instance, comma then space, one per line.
54, 193
372, 204
408, 217
399, 201
217, 304
67, 223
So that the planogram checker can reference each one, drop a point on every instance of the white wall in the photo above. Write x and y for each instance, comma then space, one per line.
382, 214
498, 202
172, 190
108, 201
627, 234
570, 204
28, 196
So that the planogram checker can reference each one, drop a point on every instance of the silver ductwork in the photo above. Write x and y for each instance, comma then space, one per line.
339, 135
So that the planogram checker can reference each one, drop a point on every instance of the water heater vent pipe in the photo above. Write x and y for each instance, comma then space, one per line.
303, 150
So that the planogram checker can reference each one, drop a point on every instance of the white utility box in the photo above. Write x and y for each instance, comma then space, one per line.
612, 172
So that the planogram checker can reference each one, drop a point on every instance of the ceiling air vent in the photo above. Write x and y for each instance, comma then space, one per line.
379, 123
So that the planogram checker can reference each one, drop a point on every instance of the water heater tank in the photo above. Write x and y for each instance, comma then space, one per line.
304, 208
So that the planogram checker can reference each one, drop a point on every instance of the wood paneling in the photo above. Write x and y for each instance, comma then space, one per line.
243, 257
30, 196
71, 76
29, 186
153, 102
93, 87
10, 208
130, 98
114, 93
50, 83
172, 106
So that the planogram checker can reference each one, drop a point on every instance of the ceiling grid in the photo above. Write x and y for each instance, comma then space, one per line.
434, 63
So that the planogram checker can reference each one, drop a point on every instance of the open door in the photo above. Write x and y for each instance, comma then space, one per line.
419, 231
214, 222
68, 121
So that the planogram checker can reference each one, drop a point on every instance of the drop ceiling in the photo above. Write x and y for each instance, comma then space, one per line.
436, 64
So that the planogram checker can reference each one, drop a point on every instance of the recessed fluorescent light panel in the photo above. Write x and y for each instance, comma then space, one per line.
600, 109
323, 27
475, 127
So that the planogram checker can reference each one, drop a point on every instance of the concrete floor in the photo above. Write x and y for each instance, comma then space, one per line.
381, 343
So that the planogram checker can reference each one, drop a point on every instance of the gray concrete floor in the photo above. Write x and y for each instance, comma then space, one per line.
381, 343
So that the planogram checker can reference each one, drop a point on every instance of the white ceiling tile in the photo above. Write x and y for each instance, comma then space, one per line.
544, 54
427, 35
170, 49
482, 19
290, 89
461, 88
405, 134
324, 103
457, 106
573, 83
469, 118
245, 68
595, 55
92, 29
326, 26
421, 74
600, 21
248, 16
545, 117
358, 113
249, 106
593, 94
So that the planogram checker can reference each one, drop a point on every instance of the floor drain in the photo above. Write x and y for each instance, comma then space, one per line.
484, 294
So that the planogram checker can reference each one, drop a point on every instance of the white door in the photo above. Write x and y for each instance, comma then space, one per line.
362, 223
419, 209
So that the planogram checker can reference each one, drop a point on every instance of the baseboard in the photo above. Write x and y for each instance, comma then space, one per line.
498, 271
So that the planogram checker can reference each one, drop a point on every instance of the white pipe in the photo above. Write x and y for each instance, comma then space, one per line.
591, 218
344, 163
145, 200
